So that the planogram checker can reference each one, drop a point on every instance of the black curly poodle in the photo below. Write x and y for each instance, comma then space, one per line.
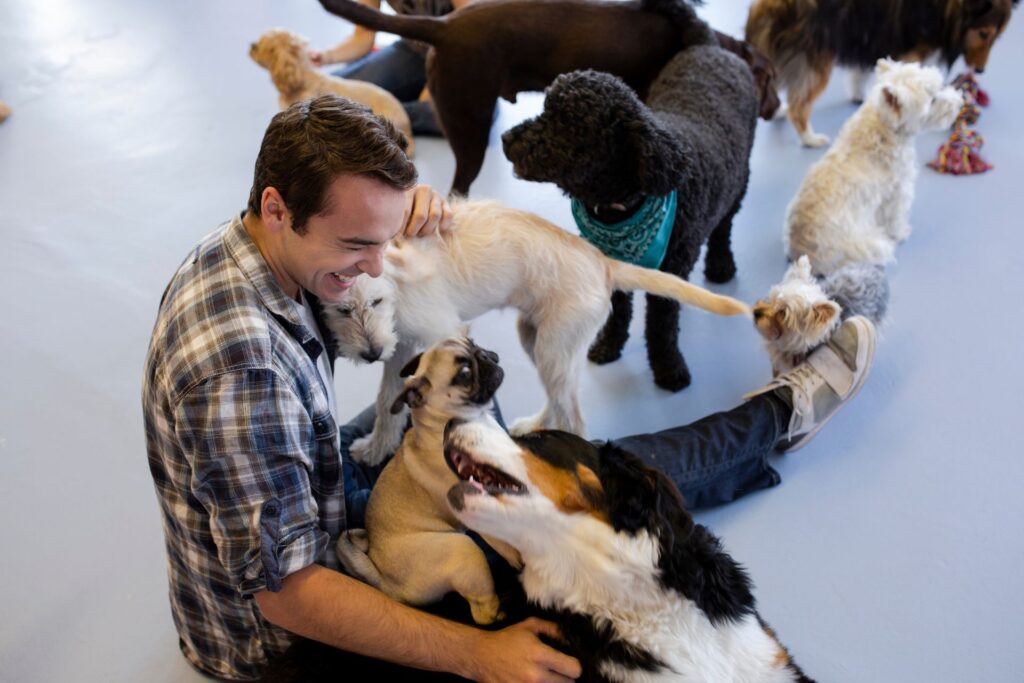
605, 148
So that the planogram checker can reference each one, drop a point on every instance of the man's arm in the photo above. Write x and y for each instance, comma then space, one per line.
327, 606
358, 44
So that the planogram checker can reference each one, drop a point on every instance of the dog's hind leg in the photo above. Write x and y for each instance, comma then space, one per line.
612, 337
662, 330
527, 335
719, 265
801, 96
558, 355
465, 108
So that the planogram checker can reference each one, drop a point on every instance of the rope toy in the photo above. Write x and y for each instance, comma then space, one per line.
961, 154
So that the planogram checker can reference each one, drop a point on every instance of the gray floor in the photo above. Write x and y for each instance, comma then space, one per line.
888, 553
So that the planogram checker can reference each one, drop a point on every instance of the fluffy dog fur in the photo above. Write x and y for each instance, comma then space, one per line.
854, 204
407, 515
284, 55
805, 37
610, 553
503, 47
495, 257
802, 311
5, 111
599, 143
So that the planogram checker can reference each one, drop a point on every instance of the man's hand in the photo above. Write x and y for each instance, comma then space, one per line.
516, 655
426, 212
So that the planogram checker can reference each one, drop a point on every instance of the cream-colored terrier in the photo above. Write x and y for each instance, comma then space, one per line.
413, 547
495, 257
284, 55
853, 205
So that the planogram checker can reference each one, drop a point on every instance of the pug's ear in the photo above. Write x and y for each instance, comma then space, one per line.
414, 395
411, 367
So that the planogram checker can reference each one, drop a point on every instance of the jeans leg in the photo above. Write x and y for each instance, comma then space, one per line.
359, 478
721, 457
398, 68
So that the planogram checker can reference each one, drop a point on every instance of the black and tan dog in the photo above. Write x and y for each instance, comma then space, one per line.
609, 552
804, 38
413, 548
500, 48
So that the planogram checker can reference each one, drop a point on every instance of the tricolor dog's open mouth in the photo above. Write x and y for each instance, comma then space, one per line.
480, 477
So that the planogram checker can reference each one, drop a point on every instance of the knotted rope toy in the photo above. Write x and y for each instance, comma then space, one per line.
961, 154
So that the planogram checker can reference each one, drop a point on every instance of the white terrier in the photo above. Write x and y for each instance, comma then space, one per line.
495, 257
853, 205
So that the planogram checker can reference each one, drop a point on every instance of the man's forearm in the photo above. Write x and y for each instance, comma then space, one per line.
323, 605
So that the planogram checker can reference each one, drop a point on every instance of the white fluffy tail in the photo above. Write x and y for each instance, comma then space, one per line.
353, 546
628, 277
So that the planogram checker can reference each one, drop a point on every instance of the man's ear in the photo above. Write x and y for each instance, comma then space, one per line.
413, 395
411, 367
273, 211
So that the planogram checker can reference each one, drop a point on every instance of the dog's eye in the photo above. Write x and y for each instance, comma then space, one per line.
345, 312
464, 371
984, 35
376, 302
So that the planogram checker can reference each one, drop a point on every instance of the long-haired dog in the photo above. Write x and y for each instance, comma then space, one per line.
487, 50
495, 257
285, 56
805, 37
407, 516
640, 592
803, 310
611, 152
853, 206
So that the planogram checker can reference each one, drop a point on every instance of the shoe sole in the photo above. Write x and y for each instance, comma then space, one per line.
799, 443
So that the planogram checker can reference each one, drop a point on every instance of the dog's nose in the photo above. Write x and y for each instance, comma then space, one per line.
979, 70
371, 355
758, 314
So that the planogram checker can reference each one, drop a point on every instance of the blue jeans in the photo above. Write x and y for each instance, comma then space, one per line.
400, 69
715, 460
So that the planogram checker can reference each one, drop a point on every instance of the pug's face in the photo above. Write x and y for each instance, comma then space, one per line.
456, 378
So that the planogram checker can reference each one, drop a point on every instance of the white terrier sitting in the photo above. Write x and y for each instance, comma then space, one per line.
802, 311
853, 205
495, 257
284, 55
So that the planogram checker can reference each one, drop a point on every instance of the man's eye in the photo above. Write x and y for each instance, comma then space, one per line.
377, 302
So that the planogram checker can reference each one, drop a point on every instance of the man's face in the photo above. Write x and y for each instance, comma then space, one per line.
362, 215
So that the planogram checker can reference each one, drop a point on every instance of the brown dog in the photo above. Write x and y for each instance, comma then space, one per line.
504, 47
804, 38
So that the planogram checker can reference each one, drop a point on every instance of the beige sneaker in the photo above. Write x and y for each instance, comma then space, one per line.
831, 376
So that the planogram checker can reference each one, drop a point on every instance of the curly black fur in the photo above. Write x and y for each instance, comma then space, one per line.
601, 144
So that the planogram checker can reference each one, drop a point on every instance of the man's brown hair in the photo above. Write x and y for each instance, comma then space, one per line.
313, 142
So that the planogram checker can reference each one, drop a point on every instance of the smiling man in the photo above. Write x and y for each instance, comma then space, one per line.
239, 415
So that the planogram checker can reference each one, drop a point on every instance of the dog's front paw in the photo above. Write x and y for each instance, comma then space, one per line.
811, 139
720, 270
371, 450
603, 353
525, 425
672, 379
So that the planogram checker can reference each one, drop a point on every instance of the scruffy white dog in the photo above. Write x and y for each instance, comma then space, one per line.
853, 205
495, 257
803, 310
284, 55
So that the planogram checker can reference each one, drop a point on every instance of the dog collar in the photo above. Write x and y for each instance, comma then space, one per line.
641, 239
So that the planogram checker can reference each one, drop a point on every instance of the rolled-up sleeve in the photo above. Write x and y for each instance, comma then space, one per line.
250, 443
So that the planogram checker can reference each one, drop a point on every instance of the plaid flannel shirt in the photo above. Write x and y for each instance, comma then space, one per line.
242, 447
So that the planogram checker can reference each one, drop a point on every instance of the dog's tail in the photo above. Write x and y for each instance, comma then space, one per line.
352, 549
424, 28
681, 13
628, 277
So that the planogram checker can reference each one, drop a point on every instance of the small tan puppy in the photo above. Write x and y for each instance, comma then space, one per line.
285, 56
413, 547
5, 111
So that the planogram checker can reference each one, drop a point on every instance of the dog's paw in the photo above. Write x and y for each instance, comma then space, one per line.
720, 271
674, 379
603, 353
812, 139
525, 425
486, 611
371, 450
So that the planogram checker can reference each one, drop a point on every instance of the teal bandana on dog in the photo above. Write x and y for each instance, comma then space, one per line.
642, 239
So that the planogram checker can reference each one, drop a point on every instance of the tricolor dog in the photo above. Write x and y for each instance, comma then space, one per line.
640, 592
